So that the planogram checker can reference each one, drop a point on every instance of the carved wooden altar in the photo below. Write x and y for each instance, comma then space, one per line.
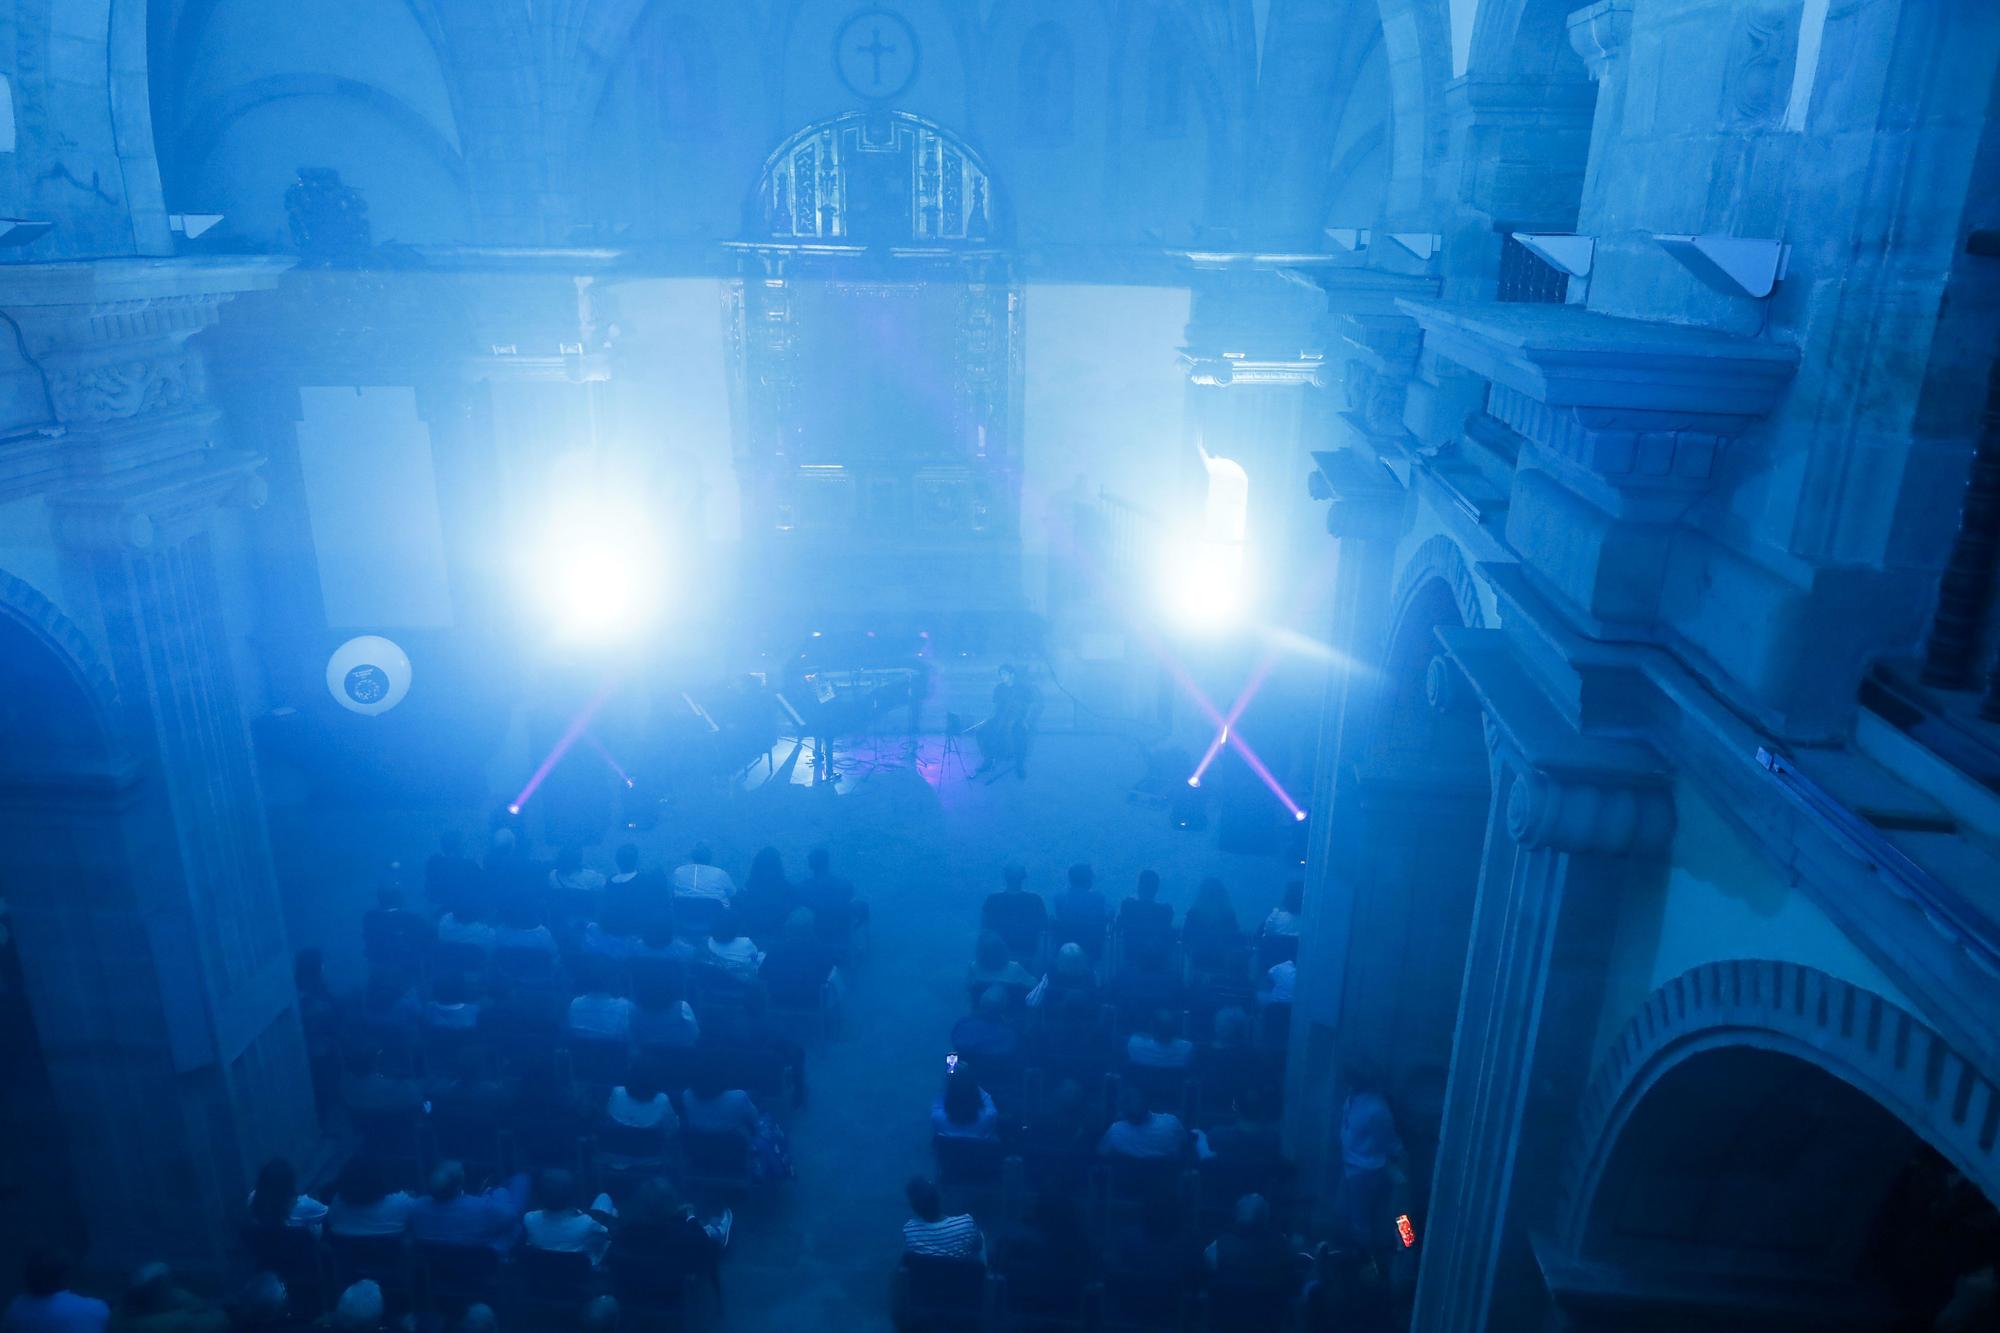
876, 373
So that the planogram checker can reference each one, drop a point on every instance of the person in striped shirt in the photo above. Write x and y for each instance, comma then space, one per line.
932, 1234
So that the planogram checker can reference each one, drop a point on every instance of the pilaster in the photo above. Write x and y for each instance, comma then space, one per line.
159, 972
1367, 512
1576, 819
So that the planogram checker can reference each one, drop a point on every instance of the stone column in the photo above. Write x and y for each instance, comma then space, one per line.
1575, 822
1368, 514
1598, 33
152, 936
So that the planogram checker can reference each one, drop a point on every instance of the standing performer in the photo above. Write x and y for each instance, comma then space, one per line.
1004, 736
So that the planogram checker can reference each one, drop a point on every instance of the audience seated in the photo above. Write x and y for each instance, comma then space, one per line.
1061, 1136
599, 1013
798, 964
562, 1227
659, 1241
834, 907
1209, 930
451, 880
1068, 980
700, 878
390, 933
758, 1047
993, 966
450, 1008
1278, 983
600, 1314
47, 1305
366, 1201
1160, 1045
731, 950
1250, 1140
1140, 1132
661, 1016
1286, 918
520, 931
1144, 922
1369, 1146
448, 1215
320, 1017
963, 1110
986, 1037
930, 1232
1080, 913
767, 898
1050, 1260
1346, 1294
1253, 1252
712, 1108
1016, 915
1230, 1063
466, 924
359, 1309
572, 877
276, 1201
630, 897
261, 1305
154, 1303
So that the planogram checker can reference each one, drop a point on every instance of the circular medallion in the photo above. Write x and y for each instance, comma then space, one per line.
368, 675
875, 53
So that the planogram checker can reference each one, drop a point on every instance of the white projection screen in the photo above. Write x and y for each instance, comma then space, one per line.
365, 456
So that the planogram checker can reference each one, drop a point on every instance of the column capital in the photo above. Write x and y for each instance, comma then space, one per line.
1598, 34
1594, 813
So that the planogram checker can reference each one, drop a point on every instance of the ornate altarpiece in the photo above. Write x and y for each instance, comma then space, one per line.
875, 357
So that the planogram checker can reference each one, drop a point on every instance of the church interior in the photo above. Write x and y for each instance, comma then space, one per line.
1324, 666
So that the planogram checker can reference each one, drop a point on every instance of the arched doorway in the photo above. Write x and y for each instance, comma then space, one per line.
1415, 844
165, 1087
1772, 1148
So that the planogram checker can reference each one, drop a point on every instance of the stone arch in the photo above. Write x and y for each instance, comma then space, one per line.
56, 675
808, 189
1045, 90
1744, 1009
1440, 558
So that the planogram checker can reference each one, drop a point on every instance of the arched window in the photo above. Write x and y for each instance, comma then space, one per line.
673, 75
1166, 84
1048, 85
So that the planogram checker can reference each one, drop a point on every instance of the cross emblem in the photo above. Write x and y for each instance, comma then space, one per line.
875, 53
875, 50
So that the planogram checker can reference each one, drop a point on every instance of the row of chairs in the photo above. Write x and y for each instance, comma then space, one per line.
932, 1293
538, 1288
990, 1182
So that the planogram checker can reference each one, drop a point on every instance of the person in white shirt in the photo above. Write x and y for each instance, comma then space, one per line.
365, 1202
276, 1201
571, 875
934, 1235
560, 1226
1279, 983
1286, 918
701, 878
1163, 1046
599, 1014
463, 926
731, 950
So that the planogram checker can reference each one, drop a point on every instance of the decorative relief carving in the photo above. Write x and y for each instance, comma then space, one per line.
812, 189
1577, 815
1758, 80
112, 391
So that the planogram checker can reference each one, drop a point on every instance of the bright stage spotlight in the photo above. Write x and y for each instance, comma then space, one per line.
588, 588
1202, 586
